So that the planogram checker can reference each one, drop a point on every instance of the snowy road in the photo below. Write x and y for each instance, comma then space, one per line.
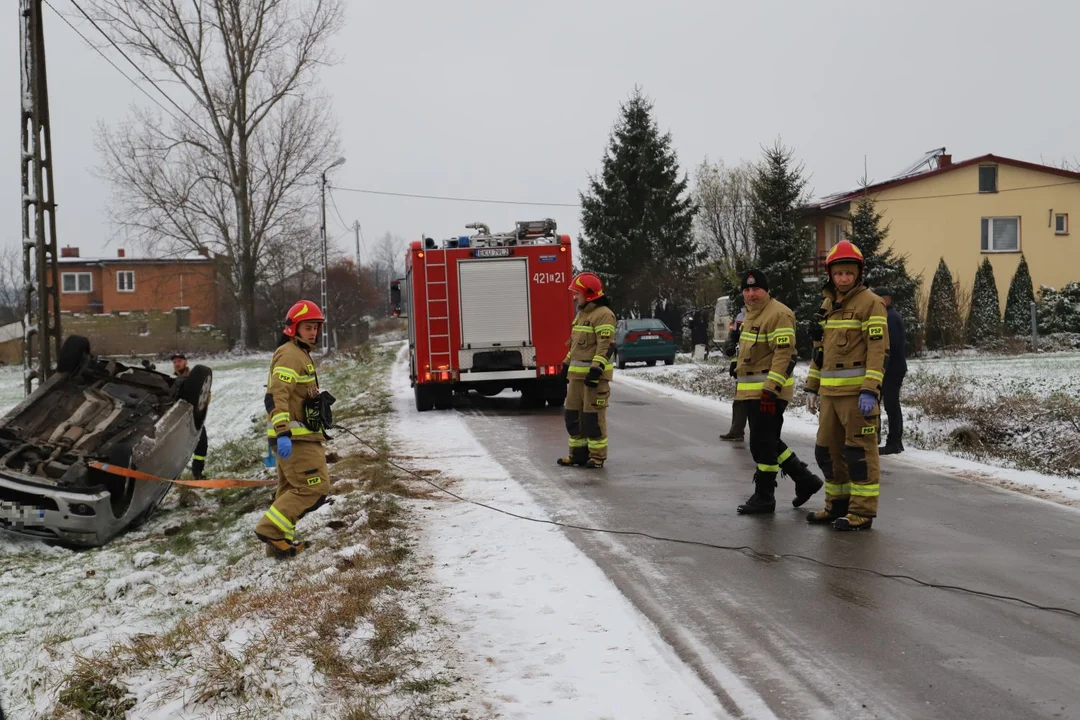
814, 641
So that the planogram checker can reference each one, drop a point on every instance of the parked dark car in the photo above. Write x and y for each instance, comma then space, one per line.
646, 340
96, 409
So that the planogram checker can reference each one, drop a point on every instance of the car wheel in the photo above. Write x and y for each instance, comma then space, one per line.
195, 389
74, 351
650, 363
669, 361
621, 362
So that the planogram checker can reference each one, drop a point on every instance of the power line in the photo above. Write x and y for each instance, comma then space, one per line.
456, 199
745, 549
336, 211
116, 67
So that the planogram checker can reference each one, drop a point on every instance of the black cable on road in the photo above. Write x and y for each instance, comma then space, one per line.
746, 549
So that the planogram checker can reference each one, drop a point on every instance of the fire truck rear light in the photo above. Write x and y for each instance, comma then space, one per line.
562, 248
427, 377
420, 254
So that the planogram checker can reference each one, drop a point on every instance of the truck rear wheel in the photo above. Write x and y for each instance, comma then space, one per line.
424, 398
443, 398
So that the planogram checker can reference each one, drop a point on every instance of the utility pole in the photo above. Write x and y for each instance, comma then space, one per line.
322, 282
41, 324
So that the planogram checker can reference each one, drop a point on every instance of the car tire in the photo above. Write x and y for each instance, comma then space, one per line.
195, 389
73, 353
620, 361
650, 363
669, 361
424, 398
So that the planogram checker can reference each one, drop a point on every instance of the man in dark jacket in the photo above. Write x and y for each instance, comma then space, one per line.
894, 376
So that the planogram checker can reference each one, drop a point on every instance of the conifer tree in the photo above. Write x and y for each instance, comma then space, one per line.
637, 216
984, 317
942, 313
884, 267
1018, 304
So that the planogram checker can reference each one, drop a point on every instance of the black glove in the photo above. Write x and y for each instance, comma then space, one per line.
565, 373
731, 368
817, 332
593, 378
767, 405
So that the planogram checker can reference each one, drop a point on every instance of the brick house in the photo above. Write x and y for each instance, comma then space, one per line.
139, 284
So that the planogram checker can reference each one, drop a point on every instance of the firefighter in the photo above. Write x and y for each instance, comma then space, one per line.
588, 370
198, 460
851, 343
765, 386
738, 408
295, 425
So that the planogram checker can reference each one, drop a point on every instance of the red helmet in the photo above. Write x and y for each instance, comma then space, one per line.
302, 311
588, 284
844, 251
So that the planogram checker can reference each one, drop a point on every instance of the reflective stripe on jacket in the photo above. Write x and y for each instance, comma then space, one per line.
766, 352
854, 346
592, 340
292, 380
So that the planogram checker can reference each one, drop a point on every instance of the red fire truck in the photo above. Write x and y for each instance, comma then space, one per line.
488, 312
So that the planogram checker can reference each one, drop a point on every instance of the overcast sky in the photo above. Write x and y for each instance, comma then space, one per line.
507, 100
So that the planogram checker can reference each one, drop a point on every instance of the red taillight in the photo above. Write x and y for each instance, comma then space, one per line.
633, 337
665, 335
427, 377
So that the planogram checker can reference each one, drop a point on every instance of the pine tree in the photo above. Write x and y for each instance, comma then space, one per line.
778, 189
884, 267
1059, 311
942, 313
984, 317
637, 215
1018, 304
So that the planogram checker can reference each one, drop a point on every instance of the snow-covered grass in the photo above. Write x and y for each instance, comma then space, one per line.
185, 617
1013, 421
539, 624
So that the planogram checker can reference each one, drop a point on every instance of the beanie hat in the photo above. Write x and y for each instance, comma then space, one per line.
755, 278
883, 291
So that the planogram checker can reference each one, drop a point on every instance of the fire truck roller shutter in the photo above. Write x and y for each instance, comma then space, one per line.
495, 303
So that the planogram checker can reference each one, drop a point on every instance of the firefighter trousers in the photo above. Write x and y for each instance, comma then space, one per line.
585, 414
303, 483
769, 451
198, 460
847, 452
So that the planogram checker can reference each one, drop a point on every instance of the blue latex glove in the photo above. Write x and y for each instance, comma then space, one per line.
284, 446
867, 401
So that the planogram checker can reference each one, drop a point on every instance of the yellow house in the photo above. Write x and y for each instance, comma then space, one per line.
988, 206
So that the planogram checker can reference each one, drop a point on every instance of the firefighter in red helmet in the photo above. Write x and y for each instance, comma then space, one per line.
588, 370
298, 414
851, 345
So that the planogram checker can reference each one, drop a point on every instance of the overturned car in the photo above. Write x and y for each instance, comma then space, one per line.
96, 411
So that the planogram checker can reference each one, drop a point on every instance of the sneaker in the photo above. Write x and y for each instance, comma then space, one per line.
853, 522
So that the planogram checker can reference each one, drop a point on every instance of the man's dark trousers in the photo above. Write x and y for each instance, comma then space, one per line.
890, 396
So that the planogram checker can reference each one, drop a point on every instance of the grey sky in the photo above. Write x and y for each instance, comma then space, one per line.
497, 99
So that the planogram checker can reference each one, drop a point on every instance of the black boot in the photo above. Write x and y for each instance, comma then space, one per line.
891, 448
806, 482
763, 501
197, 469
578, 457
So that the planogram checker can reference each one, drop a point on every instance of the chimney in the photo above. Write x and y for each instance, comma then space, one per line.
204, 251
120, 252
68, 251
944, 161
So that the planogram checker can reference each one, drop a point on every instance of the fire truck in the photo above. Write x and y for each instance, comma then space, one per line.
488, 312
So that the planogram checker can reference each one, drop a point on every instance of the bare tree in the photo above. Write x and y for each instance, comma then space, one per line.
12, 297
723, 223
237, 172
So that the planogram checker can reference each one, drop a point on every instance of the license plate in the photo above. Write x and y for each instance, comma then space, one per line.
492, 252
650, 337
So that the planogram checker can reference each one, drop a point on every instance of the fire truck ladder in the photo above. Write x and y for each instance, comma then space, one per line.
435, 313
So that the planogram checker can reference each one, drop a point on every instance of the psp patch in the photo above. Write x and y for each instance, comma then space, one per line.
285, 378
783, 340
876, 333
601, 402
314, 480
869, 430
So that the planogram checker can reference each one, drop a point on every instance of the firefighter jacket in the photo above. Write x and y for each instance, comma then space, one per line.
291, 384
592, 340
766, 352
852, 353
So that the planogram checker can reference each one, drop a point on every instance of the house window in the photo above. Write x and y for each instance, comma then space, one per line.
1061, 223
1001, 234
988, 178
76, 282
837, 234
125, 281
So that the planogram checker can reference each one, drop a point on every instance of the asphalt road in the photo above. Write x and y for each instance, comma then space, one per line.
791, 639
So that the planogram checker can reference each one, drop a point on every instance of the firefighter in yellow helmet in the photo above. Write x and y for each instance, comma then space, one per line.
588, 370
298, 414
851, 344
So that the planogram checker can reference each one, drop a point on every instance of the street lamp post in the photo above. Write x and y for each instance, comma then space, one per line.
322, 282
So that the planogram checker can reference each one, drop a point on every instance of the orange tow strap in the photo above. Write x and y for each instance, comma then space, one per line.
217, 483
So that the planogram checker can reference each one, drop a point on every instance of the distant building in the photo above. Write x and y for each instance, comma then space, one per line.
140, 284
984, 207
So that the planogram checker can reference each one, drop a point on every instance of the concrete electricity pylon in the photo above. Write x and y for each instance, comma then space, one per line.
41, 324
